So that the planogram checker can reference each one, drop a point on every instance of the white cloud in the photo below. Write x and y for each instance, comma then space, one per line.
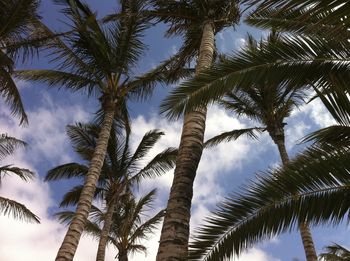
46, 134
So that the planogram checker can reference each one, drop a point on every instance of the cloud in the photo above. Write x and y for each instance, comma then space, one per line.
48, 143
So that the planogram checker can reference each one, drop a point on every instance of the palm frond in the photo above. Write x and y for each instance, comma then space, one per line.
159, 165
145, 145
9, 144
17, 210
10, 93
328, 13
302, 190
337, 135
66, 171
73, 82
335, 252
234, 135
147, 227
71, 198
24, 174
304, 56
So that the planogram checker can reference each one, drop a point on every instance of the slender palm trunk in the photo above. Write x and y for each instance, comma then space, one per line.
102, 244
72, 237
175, 232
305, 232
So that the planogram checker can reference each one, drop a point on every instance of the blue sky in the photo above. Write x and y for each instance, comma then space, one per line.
221, 171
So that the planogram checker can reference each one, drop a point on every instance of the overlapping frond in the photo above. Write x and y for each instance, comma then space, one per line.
293, 61
270, 206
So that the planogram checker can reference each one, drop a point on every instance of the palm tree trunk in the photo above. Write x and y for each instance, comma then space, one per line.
305, 232
175, 232
76, 227
101, 251
123, 256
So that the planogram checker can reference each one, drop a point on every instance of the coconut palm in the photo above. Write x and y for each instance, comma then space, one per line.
314, 187
8, 206
121, 172
315, 53
335, 252
270, 104
196, 22
130, 224
97, 58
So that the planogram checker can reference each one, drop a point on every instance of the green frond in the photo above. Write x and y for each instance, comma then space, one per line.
11, 95
146, 144
9, 144
73, 82
335, 252
293, 61
71, 198
17, 210
233, 135
24, 174
66, 171
159, 165
327, 13
147, 227
275, 203
337, 135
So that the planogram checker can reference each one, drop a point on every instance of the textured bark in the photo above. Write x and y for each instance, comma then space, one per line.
72, 237
102, 244
174, 238
305, 233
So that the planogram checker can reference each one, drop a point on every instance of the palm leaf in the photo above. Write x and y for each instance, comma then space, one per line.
24, 174
336, 135
293, 61
71, 198
10, 93
302, 190
335, 252
16, 210
160, 164
233, 135
9, 144
145, 145
66, 171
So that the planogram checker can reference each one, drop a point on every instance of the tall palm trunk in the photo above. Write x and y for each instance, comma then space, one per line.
175, 232
101, 251
76, 227
305, 233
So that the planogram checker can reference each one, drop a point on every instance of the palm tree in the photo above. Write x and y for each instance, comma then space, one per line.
128, 226
314, 53
335, 252
121, 171
97, 58
314, 187
18, 19
269, 103
307, 57
196, 22
8, 206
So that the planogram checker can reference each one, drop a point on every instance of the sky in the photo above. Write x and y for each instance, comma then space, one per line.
221, 171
